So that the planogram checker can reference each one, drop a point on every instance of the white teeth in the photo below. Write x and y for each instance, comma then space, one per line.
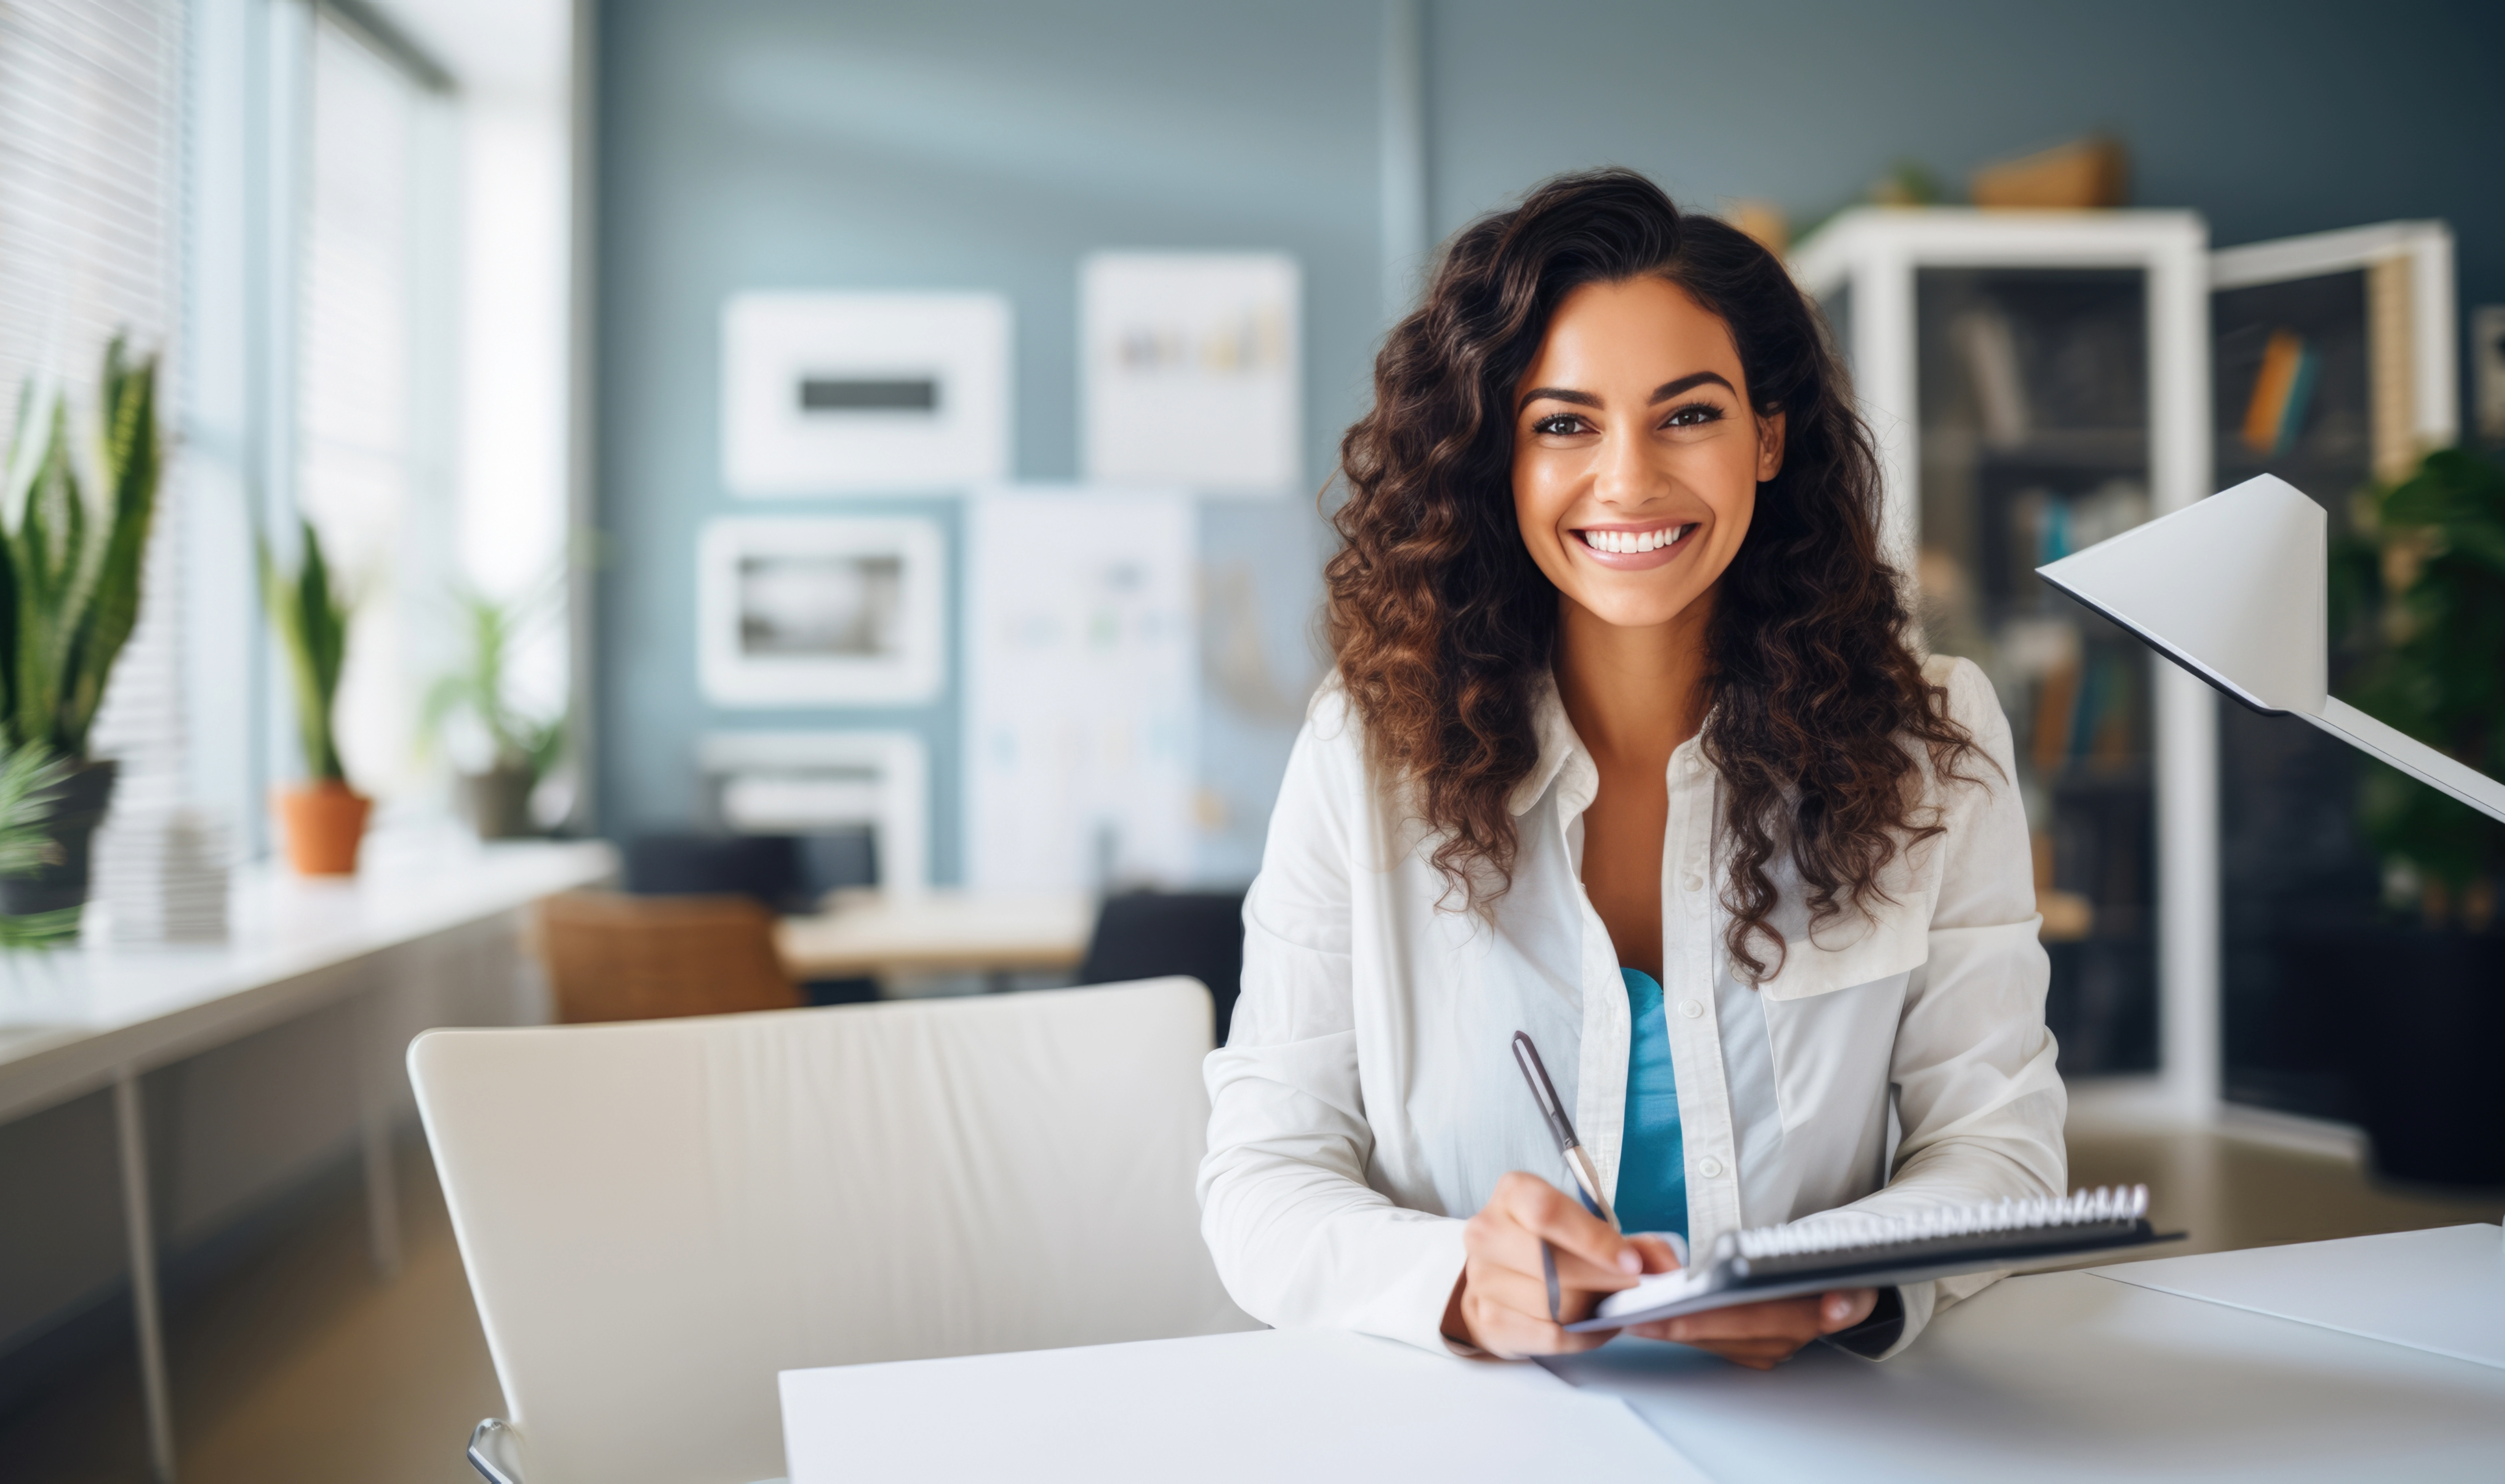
1634, 542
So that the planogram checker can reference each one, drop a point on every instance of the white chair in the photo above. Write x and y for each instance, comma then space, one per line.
658, 1216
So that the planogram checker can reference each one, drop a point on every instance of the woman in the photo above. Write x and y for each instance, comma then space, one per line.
1627, 749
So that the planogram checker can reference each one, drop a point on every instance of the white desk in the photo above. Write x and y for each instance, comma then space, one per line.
76, 1020
2058, 1376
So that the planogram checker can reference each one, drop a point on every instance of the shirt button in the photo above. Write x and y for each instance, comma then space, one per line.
1709, 1167
1692, 881
1690, 1009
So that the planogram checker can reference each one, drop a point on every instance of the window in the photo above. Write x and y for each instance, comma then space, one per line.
90, 118
371, 404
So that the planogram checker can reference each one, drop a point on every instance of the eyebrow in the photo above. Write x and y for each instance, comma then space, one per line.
1661, 393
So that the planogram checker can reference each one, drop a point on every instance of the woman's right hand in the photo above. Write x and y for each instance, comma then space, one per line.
1501, 1306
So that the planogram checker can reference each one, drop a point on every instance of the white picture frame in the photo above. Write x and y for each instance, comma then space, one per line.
810, 782
1191, 372
846, 393
821, 610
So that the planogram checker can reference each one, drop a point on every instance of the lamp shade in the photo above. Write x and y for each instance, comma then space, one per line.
2236, 590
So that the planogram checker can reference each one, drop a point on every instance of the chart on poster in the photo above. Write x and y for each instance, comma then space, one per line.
1082, 681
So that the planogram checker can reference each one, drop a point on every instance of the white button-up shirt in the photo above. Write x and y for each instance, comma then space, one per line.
1366, 1100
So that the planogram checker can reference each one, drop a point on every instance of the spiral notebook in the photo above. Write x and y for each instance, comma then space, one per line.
1845, 1250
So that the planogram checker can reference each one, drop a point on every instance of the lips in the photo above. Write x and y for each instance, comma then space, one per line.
1635, 547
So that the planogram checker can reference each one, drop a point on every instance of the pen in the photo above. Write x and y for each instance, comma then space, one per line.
1587, 1179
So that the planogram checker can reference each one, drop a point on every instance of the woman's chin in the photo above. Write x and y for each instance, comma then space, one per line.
1624, 603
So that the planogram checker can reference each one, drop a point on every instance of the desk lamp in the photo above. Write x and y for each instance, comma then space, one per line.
2236, 590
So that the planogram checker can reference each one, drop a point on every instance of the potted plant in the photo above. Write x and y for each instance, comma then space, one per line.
76, 504
521, 748
324, 818
2425, 592
30, 784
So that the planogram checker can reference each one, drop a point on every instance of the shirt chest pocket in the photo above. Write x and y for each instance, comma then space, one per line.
1831, 1021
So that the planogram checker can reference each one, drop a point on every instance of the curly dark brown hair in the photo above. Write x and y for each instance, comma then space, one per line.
1443, 626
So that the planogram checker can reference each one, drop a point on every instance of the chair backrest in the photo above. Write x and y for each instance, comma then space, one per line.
611, 956
1142, 934
767, 867
657, 1219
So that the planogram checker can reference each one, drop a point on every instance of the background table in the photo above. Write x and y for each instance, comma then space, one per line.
864, 933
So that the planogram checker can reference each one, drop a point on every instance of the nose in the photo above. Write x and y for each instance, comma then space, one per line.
1624, 474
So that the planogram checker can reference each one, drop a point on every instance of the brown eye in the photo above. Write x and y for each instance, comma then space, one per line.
1560, 425
1693, 415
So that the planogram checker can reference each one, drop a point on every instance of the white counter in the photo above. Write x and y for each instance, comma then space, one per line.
71, 1017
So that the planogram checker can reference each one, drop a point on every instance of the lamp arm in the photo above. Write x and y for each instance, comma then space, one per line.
2411, 756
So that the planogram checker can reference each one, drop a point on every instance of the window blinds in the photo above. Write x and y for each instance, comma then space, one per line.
91, 126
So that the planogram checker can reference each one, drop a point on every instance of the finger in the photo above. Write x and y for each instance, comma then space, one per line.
1758, 1353
1511, 1332
1845, 1308
1550, 1213
1495, 1237
1659, 1257
1792, 1319
1528, 1293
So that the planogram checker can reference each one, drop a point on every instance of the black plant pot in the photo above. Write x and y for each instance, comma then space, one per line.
498, 802
79, 808
2429, 1047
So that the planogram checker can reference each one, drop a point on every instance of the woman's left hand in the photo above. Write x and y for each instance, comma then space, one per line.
1764, 1335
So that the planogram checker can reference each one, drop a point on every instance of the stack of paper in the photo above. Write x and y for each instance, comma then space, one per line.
160, 876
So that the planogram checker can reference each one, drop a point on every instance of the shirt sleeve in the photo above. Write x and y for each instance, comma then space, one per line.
1299, 1238
1977, 1094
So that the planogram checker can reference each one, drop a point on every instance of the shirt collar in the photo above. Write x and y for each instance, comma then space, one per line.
1558, 745
1561, 752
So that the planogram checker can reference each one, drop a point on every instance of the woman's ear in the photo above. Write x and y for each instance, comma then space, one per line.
1770, 446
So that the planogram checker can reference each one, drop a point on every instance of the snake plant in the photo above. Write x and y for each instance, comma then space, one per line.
75, 509
31, 781
311, 619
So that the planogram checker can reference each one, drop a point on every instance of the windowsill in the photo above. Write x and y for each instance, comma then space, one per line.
69, 1015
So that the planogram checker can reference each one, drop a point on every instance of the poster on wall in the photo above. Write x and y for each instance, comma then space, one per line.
821, 610
1189, 370
827, 394
1082, 685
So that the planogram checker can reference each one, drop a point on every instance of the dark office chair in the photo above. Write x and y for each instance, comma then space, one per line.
1143, 935
764, 868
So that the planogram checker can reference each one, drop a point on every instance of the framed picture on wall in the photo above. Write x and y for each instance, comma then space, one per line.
828, 393
821, 610
1190, 371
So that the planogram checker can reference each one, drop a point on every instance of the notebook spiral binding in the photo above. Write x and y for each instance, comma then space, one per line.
1844, 1231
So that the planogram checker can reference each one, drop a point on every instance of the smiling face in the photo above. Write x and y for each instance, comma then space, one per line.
1635, 454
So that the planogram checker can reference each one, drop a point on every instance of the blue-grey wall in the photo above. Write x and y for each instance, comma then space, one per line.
991, 143
952, 144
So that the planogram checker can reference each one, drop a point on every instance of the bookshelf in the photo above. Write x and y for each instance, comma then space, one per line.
2332, 366
2038, 382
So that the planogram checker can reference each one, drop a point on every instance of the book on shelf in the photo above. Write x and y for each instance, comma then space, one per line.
1990, 346
2281, 391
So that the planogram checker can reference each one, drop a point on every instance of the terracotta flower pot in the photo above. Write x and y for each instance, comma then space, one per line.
324, 823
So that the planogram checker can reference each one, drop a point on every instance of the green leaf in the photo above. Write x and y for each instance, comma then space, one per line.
312, 628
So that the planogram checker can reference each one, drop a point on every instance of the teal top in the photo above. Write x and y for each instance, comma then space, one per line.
1653, 1155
